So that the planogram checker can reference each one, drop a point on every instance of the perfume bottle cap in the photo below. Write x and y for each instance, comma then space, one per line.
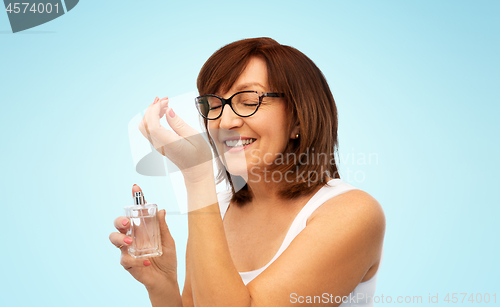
139, 198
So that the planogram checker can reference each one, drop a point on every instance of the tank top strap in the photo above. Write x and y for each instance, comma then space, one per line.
224, 198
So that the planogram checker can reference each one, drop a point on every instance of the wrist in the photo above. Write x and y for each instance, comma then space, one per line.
199, 173
168, 282
201, 193
206, 182
165, 294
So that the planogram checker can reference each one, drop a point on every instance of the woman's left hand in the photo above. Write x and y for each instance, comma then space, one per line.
184, 146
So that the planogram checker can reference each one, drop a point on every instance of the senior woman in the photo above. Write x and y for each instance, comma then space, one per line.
288, 231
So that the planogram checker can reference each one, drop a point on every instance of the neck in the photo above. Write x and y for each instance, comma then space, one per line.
264, 192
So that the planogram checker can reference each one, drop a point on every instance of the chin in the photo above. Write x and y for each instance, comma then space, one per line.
236, 168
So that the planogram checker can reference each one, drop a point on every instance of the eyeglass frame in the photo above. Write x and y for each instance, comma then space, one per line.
228, 102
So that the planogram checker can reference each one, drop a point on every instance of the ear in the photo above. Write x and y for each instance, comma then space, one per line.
295, 132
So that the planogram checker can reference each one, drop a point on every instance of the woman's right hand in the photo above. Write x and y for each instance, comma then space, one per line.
155, 272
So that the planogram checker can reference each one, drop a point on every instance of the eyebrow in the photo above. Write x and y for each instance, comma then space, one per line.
247, 85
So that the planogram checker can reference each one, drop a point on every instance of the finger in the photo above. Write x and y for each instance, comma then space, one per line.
136, 188
143, 127
163, 106
119, 239
122, 224
166, 236
128, 262
151, 128
152, 115
179, 125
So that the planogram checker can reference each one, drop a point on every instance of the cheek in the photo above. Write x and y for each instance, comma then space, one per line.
211, 126
272, 127
213, 130
272, 145
272, 152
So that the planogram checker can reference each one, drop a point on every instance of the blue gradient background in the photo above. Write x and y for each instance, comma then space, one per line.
416, 83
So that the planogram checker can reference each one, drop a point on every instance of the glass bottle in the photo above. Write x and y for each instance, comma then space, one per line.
144, 228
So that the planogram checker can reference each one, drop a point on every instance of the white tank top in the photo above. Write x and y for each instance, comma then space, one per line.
363, 294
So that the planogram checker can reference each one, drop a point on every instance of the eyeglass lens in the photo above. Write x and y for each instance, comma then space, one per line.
243, 104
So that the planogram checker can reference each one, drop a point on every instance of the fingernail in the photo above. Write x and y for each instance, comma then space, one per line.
147, 262
124, 222
127, 240
171, 113
156, 100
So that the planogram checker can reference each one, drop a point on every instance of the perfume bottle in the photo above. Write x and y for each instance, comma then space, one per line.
144, 228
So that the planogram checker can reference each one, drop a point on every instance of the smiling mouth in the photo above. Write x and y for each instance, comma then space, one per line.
239, 143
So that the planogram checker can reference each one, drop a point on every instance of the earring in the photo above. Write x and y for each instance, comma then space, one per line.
297, 136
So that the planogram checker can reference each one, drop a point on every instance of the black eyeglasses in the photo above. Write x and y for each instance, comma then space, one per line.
244, 103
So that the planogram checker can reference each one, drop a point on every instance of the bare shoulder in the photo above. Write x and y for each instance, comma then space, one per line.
357, 214
354, 204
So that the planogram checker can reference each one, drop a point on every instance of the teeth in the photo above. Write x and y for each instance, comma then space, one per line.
239, 143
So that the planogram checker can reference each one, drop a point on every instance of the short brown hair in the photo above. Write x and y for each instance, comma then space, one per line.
309, 102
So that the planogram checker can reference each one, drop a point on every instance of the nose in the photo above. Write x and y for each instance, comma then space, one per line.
229, 119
